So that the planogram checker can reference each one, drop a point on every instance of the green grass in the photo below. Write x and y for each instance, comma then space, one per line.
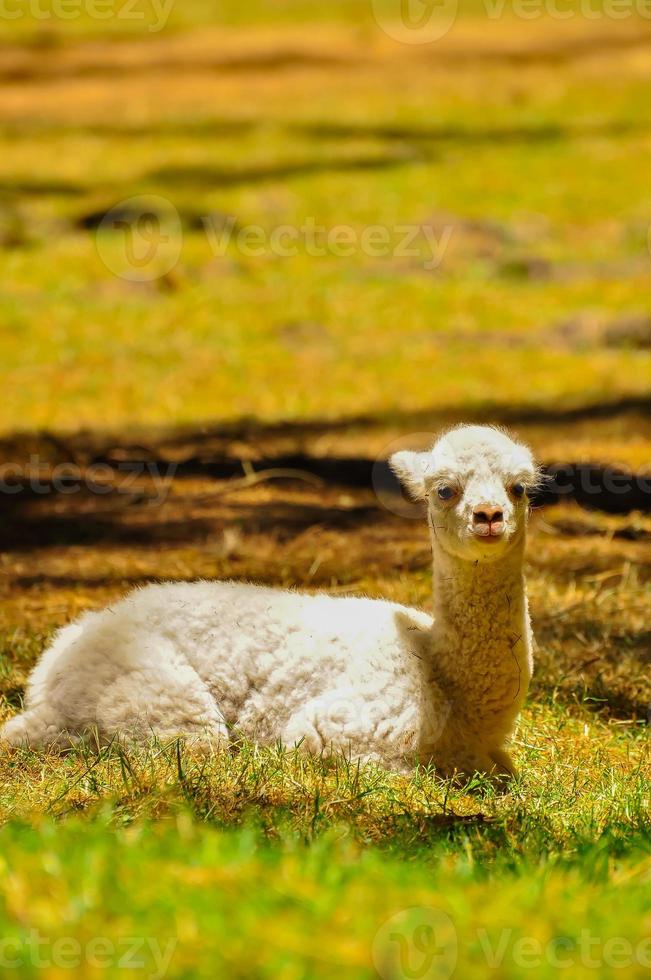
270, 864
220, 903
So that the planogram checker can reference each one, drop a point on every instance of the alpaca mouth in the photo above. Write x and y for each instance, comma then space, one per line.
489, 534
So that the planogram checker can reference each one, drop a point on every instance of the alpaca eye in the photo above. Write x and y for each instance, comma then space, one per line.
518, 489
446, 493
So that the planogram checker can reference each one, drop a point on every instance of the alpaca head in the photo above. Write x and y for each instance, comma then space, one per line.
476, 481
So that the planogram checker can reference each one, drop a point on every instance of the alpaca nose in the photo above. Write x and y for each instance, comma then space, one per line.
488, 520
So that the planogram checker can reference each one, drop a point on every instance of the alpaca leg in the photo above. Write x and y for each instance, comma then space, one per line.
504, 765
463, 765
496, 765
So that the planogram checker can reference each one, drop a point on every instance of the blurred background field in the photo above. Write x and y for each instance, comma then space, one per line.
528, 147
516, 153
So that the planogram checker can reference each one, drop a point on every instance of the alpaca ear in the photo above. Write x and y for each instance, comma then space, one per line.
413, 470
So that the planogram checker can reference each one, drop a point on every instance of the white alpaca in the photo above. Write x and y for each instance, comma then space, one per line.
372, 678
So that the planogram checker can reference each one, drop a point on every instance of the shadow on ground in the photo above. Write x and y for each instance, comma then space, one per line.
91, 515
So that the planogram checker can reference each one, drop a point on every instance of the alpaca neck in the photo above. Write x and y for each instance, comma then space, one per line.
482, 655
